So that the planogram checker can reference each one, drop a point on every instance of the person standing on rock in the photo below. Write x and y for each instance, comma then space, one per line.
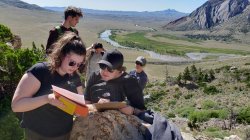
139, 73
71, 18
41, 118
111, 83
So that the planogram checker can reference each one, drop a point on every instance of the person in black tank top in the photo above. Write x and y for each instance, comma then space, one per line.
33, 96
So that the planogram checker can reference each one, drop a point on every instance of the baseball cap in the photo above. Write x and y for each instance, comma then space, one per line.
97, 45
113, 59
142, 60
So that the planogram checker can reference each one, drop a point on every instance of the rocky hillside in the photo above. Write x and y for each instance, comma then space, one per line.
21, 4
213, 13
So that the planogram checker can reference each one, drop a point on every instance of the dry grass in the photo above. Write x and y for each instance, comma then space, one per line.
35, 26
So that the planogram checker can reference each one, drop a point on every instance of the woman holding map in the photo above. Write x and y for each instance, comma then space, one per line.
42, 119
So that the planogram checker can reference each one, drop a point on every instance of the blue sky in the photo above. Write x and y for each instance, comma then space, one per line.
186, 6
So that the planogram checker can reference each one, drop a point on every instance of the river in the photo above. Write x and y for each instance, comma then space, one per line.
169, 58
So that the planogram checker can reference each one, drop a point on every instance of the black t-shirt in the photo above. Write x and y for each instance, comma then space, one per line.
141, 77
116, 90
48, 120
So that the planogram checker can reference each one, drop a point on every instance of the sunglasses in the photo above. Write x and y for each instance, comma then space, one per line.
73, 63
138, 63
103, 67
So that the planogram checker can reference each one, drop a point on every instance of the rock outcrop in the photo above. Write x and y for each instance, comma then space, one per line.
210, 14
108, 125
15, 43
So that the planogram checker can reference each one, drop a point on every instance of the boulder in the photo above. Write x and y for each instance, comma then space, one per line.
108, 125
15, 43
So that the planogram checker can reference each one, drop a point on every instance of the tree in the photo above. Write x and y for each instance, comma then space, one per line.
194, 73
186, 75
178, 79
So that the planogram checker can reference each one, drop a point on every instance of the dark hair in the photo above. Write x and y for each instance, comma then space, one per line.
97, 45
72, 11
69, 42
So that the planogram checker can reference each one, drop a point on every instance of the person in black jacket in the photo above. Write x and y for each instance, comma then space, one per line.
111, 83
41, 118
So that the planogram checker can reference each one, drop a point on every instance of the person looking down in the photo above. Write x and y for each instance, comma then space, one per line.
111, 83
41, 118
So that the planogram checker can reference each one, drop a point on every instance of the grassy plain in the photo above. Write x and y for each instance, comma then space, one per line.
34, 26
165, 46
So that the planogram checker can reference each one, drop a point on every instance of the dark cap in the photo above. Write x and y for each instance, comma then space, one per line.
97, 45
113, 59
142, 60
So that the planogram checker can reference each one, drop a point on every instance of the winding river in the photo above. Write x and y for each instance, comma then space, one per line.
169, 58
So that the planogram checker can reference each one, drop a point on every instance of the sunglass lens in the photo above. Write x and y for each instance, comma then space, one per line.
103, 67
138, 63
72, 63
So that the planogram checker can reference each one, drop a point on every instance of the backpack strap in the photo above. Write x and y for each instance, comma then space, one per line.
73, 30
59, 30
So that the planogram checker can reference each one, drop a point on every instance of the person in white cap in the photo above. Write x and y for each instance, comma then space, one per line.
139, 73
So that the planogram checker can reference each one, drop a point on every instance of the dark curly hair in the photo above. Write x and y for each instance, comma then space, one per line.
72, 11
69, 42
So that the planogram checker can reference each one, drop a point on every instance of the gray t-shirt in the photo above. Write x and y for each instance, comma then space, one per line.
92, 65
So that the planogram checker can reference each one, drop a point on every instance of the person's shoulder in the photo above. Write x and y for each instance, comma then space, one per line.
144, 73
128, 77
132, 72
40, 67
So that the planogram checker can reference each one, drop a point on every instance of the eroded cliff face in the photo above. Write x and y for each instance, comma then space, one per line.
210, 14
108, 125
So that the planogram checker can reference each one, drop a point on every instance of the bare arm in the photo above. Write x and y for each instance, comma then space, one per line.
23, 101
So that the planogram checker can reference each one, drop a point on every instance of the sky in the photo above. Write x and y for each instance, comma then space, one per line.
186, 6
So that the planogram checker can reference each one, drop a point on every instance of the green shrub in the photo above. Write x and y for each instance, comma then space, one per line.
157, 95
244, 115
170, 115
208, 104
13, 65
5, 34
210, 90
185, 111
202, 84
188, 96
10, 128
205, 115
172, 102
177, 95
214, 132
199, 116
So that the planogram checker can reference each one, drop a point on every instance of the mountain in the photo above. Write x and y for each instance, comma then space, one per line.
21, 4
145, 16
214, 13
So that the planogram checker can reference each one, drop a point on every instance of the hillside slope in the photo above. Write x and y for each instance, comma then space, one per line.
214, 13
21, 4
